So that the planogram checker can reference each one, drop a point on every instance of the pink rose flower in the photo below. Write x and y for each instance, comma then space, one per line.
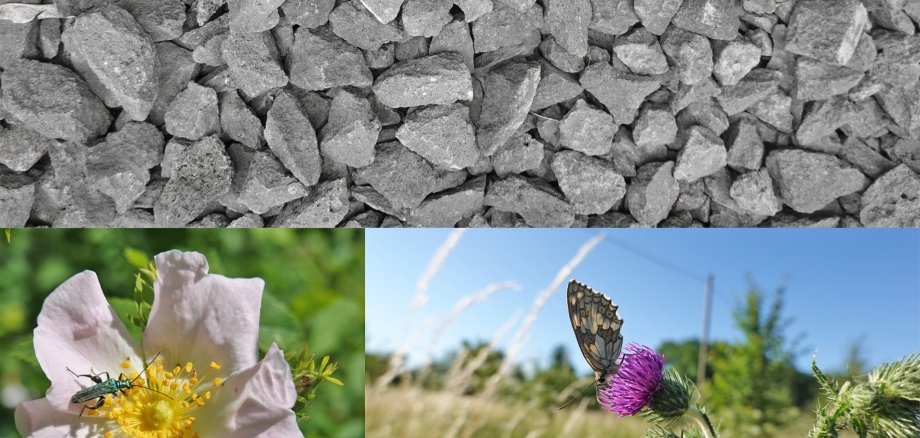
203, 329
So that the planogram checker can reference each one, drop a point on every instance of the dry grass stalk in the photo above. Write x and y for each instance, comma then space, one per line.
524, 331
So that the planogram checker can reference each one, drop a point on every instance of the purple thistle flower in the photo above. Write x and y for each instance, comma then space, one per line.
634, 385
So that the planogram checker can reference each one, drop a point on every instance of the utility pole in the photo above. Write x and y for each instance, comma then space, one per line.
704, 340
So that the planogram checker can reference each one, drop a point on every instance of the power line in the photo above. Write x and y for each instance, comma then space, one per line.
655, 259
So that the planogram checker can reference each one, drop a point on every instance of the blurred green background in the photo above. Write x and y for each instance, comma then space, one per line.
314, 293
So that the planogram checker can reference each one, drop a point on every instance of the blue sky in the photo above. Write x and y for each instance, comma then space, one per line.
841, 285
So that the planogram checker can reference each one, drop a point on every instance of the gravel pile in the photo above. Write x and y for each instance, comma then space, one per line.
442, 113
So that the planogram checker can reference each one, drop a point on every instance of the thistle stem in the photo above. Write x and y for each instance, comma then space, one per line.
705, 424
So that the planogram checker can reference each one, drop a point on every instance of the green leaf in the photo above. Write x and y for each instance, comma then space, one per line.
9, 235
333, 380
126, 309
278, 325
24, 350
136, 258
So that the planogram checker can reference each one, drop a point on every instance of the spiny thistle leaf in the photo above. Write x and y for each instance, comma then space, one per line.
884, 404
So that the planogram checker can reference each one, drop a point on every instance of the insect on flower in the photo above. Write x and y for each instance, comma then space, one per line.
109, 386
597, 329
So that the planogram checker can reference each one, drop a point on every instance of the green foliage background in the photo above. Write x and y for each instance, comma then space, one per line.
314, 293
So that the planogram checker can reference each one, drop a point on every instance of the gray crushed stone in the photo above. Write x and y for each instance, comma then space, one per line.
479, 113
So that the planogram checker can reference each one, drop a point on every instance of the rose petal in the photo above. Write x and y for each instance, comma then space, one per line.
285, 428
38, 419
77, 328
203, 318
253, 402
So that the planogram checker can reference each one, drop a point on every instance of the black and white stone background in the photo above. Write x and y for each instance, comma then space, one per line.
471, 113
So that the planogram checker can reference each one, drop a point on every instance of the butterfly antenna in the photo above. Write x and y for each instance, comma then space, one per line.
577, 396
145, 369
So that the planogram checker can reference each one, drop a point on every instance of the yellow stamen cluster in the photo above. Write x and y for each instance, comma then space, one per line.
166, 408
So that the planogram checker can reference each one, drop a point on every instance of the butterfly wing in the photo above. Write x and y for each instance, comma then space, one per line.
597, 328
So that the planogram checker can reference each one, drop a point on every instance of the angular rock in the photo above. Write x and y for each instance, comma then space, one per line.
702, 154
656, 14
454, 37
260, 182
435, 79
816, 80
403, 177
445, 209
53, 101
808, 181
442, 134
202, 177
536, 201
508, 93
587, 130
381, 58
384, 10
412, 48
640, 51
654, 127
866, 159
326, 207
473, 9
591, 184
652, 193
706, 113
213, 220
319, 60
18, 41
690, 53
49, 38
16, 199
308, 13
247, 16
568, 21
252, 62
892, 200
826, 30
821, 119
248, 220
756, 86
613, 17
622, 93
555, 86
175, 69
352, 22
194, 113
908, 152
689, 94
734, 60
350, 134
716, 19
162, 19
21, 148
866, 119
520, 154
292, 139
745, 149
425, 17
775, 110
753, 191
120, 167
506, 27
559, 57
115, 54
238, 121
